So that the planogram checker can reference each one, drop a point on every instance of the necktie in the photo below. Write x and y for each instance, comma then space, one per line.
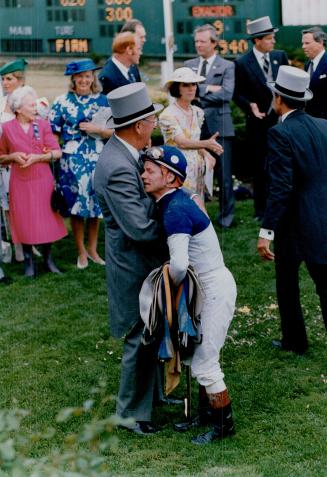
140, 164
131, 76
203, 71
266, 63
310, 69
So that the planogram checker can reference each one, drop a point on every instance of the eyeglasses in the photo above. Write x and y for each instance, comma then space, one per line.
154, 122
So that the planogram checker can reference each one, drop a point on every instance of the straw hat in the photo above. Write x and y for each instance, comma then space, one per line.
184, 75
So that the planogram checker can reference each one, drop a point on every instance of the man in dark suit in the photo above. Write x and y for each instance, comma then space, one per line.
133, 246
121, 69
295, 217
253, 96
313, 44
215, 94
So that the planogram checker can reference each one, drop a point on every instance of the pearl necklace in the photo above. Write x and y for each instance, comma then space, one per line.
83, 99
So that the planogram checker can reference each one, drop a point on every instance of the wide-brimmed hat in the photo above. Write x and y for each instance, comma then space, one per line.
12, 66
184, 75
129, 104
260, 27
292, 83
167, 156
79, 66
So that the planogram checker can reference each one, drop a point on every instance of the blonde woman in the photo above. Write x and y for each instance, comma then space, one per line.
71, 119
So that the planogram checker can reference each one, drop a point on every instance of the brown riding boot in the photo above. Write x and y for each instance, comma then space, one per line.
222, 419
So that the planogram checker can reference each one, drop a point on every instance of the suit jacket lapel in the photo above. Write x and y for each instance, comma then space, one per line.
274, 64
255, 68
194, 64
216, 67
321, 67
119, 75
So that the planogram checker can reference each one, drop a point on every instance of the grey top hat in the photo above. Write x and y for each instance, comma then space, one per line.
292, 83
260, 27
129, 104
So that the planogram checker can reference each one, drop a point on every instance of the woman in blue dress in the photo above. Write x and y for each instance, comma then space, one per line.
82, 141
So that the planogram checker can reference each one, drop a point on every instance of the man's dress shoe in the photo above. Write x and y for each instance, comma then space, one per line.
142, 428
5, 281
278, 344
171, 401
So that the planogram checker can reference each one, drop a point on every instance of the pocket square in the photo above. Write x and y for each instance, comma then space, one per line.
275, 62
322, 76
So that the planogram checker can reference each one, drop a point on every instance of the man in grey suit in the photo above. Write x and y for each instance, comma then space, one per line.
133, 246
215, 95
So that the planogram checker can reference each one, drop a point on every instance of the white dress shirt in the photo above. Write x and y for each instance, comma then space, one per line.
122, 68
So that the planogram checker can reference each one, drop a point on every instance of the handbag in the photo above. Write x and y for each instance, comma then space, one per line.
58, 201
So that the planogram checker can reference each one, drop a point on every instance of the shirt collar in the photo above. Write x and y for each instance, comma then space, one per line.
170, 191
122, 68
316, 60
135, 153
210, 60
259, 55
284, 116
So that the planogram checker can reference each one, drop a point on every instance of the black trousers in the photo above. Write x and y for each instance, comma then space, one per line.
287, 263
256, 131
223, 173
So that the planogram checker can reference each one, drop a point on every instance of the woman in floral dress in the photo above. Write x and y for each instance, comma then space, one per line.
180, 125
71, 119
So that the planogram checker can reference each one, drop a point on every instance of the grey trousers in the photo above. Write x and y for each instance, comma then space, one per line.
138, 376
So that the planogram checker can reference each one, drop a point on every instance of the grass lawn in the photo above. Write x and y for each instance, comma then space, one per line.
55, 346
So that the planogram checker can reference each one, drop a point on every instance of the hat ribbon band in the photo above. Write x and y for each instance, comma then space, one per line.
297, 94
124, 119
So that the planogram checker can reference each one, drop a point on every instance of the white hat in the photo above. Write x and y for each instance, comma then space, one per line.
260, 27
184, 75
292, 83
129, 104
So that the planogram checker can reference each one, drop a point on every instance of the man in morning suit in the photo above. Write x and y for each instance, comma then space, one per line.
135, 26
313, 44
133, 248
215, 94
253, 96
295, 217
121, 68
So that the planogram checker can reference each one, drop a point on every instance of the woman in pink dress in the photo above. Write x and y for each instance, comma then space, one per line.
28, 145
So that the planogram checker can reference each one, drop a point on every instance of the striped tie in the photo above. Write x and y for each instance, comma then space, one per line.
310, 70
266, 63
131, 76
